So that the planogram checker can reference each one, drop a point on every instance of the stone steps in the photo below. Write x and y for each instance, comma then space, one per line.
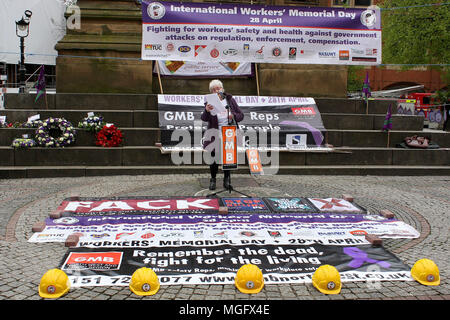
145, 156
360, 147
149, 118
18, 172
335, 137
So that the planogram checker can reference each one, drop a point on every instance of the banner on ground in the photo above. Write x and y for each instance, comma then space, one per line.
259, 33
202, 69
148, 231
219, 264
103, 206
284, 122
138, 205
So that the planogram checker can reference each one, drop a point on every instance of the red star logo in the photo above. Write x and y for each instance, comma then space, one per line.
331, 204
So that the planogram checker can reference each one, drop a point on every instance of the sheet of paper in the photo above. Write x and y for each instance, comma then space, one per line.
214, 100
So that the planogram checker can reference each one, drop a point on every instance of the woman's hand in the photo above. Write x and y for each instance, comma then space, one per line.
209, 107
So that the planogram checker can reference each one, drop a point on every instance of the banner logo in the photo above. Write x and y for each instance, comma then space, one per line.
156, 10
101, 261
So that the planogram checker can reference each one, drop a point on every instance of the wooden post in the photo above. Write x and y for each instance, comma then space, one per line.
367, 106
257, 79
159, 77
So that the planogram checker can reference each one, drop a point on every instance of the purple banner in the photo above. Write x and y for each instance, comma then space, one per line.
258, 15
235, 218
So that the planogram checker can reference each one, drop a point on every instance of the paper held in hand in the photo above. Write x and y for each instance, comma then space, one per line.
214, 100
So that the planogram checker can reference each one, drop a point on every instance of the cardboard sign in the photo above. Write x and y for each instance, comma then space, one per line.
254, 161
229, 147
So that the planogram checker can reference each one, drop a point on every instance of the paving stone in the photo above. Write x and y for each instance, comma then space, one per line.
418, 201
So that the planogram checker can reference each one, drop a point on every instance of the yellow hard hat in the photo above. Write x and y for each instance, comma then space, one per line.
144, 282
54, 283
249, 279
426, 272
327, 280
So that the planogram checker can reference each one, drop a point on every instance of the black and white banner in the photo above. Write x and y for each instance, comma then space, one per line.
219, 264
282, 122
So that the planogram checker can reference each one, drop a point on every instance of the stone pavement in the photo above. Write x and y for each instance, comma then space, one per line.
423, 202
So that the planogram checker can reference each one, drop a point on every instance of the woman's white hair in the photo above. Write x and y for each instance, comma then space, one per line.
215, 83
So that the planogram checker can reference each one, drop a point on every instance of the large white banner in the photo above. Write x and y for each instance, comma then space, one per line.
254, 33
148, 231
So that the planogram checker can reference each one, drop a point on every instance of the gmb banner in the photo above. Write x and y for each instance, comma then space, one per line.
205, 32
219, 264
289, 122
148, 231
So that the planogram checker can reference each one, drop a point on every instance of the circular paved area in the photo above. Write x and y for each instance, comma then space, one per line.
423, 202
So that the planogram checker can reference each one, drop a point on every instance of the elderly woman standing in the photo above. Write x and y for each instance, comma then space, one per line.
216, 122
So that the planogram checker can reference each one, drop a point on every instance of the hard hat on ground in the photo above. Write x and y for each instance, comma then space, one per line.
426, 272
54, 284
144, 282
327, 280
249, 279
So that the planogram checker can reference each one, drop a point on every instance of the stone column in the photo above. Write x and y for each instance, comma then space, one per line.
110, 29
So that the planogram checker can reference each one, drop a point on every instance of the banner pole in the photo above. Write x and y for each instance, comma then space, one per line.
257, 79
367, 106
388, 138
159, 76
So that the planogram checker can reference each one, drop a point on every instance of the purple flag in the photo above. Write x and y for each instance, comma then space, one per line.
387, 125
40, 86
366, 87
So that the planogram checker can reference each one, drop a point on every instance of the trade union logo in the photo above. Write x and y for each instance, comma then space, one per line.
156, 10
214, 53
184, 49
153, 47
344, 55
327, 54
276, 52
368, 18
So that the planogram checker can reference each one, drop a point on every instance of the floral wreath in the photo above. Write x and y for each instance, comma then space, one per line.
55, 132
23, 143
109, 136
92, 123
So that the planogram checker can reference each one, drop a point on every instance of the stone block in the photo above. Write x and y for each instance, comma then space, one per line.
421, 157
69, 156
6, 156
351, 156
347, 121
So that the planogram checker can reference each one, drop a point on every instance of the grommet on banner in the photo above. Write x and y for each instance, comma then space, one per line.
38, 226
426, 272
347, 197
327, 279
374, 240
223, 210
73, 198
54, 284
249, 279
72, 240
144, 282
387, 214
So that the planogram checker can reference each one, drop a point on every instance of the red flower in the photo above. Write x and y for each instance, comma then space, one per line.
109, 137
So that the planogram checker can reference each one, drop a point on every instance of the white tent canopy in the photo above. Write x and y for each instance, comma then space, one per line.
47, 27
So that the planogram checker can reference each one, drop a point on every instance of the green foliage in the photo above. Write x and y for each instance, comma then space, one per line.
419, 35
355, 78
